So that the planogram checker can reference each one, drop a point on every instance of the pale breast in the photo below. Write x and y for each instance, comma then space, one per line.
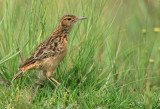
52, 62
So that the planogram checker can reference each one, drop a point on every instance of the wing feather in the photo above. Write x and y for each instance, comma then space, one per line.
45, 49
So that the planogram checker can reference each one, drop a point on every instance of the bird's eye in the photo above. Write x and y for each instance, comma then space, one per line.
69, 19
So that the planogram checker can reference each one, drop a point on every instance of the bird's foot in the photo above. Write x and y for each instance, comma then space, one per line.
59, 84
55, 81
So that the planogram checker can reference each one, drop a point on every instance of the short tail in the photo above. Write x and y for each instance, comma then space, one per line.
28, 64
15, 77
27, 67
23, 69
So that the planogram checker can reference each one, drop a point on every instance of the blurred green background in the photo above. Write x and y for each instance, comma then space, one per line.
113, 59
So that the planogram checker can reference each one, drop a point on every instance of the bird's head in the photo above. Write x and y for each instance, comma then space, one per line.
67, 21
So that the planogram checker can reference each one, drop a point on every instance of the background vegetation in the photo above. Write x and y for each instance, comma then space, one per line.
113, 59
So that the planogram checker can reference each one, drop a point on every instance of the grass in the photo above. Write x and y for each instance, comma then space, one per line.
113, 59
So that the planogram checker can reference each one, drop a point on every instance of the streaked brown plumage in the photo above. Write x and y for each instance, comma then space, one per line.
52, 51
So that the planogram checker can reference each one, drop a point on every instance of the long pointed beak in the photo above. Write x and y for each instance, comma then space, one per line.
80, 18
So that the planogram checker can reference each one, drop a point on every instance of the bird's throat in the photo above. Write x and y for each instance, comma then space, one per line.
62, 30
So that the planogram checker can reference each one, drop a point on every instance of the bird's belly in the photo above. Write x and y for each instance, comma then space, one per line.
50, 63
61, 56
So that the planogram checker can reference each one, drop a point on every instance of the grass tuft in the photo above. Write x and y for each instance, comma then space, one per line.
113, 59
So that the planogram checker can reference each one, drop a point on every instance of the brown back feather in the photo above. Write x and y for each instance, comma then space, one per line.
28, 62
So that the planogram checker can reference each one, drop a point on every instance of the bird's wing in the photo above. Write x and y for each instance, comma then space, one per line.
48, 48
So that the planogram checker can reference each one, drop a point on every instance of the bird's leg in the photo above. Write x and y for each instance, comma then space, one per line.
34, 93
59, 83
55, 80
48, 75
67, 89
39, 82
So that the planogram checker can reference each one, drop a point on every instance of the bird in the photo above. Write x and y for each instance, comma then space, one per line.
52, 51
